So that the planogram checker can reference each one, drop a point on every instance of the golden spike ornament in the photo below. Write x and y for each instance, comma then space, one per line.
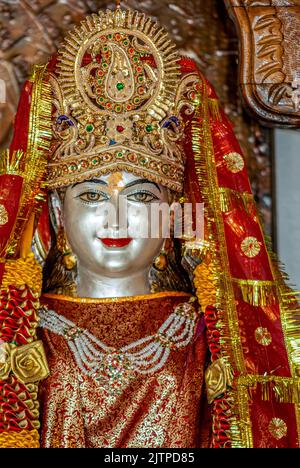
115, 94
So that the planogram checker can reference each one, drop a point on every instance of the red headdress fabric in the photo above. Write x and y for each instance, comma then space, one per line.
250, 313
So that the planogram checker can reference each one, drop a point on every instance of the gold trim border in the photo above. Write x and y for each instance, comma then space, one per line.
225, 301
88, 300
228, 196
38, 145
258, 293
273, 387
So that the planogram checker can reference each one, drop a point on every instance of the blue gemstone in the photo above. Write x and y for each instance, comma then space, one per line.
65, 118
62, 118
175, 120
170, 120
112, 142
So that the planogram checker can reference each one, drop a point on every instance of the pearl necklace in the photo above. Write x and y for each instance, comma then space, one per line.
144, 356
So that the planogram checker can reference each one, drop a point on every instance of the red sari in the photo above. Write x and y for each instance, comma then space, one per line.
162, 409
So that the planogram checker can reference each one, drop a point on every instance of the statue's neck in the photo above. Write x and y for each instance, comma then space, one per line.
92, 285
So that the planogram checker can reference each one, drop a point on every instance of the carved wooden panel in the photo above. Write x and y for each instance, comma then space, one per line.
269, 32
31, 30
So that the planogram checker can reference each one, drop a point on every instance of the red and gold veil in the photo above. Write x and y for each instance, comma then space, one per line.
118, 97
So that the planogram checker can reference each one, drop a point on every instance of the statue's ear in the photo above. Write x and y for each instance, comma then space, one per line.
56, 210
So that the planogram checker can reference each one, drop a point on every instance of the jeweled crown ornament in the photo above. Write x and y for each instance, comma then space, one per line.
117, 102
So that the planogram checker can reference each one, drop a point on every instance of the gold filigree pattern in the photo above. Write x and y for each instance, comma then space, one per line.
234, 162
142, 163
116, 100
278, 428
3, 215
263, 336
250, 247
122, 38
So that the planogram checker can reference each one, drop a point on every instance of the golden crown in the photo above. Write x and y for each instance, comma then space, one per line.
117, 102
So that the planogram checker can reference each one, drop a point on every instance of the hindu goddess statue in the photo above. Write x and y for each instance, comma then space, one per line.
123, 340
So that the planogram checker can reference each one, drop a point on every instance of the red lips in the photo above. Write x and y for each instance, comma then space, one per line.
109, 242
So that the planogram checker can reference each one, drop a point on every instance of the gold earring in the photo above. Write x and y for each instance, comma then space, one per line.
69, 259
161, 261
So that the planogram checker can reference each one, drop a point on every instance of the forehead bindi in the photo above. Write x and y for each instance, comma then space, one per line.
115, 181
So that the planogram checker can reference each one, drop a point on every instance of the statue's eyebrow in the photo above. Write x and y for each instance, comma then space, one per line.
141, 181
93, 181
130, 184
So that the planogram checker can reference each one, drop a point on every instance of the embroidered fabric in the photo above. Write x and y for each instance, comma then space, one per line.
144, 356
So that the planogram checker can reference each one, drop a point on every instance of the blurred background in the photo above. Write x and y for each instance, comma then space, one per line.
30, 31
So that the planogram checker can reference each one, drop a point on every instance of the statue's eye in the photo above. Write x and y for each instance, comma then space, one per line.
92, 197
142, 197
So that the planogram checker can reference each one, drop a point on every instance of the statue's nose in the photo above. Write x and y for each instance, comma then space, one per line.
115, 215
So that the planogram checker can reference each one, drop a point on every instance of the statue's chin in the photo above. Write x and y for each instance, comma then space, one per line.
117, 261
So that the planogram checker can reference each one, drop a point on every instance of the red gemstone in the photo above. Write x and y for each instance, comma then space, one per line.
120, 129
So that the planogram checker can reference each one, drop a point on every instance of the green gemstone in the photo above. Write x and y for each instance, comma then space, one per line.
120, 155
120, 86
95, 161
89, 128
149, 128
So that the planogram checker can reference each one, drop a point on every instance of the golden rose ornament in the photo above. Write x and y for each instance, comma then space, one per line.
29, 362
218, 377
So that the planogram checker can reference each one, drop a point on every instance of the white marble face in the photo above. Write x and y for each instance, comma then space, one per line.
108, 225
